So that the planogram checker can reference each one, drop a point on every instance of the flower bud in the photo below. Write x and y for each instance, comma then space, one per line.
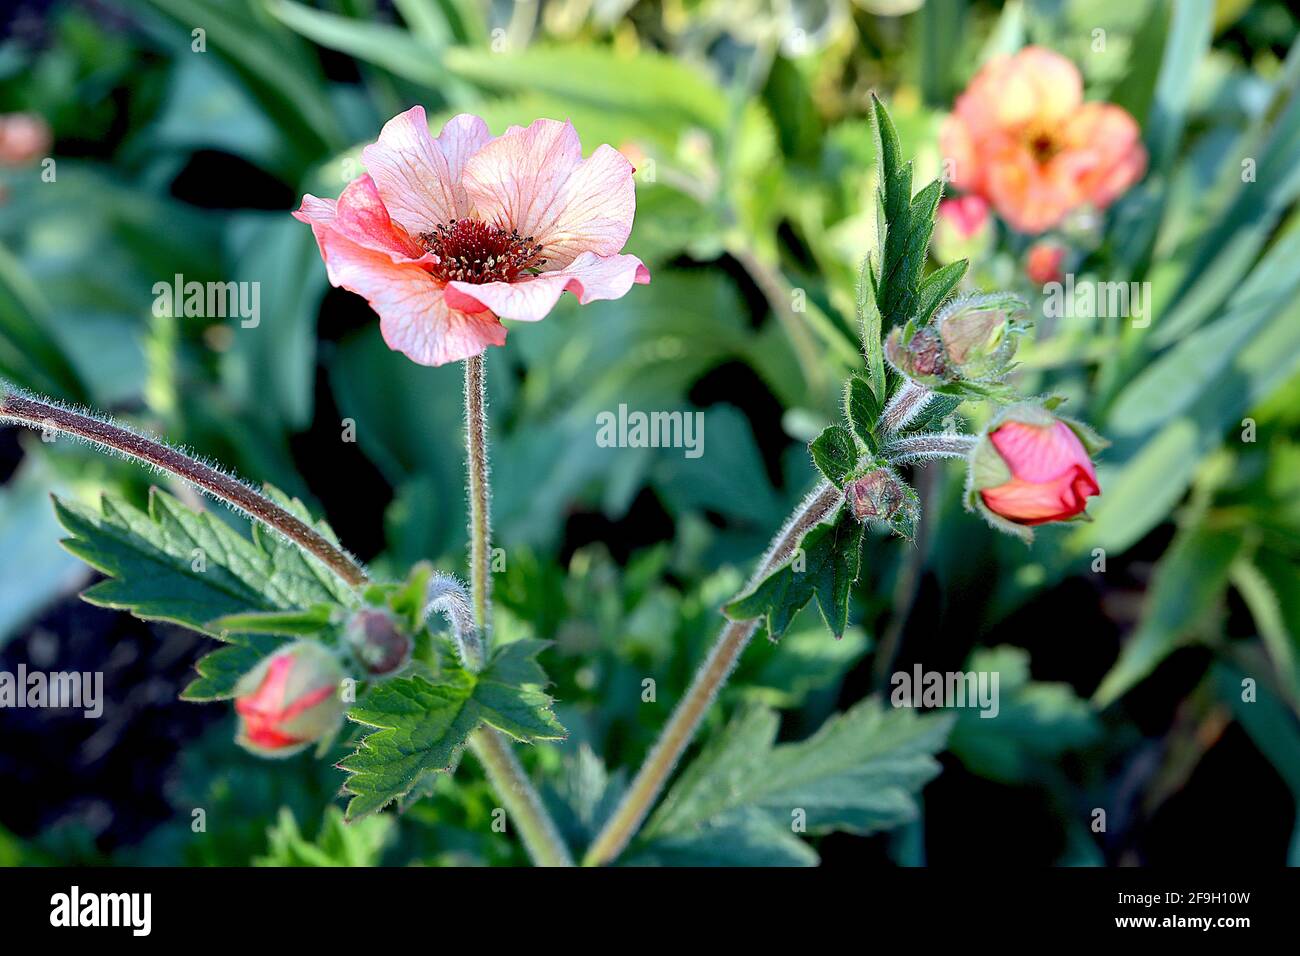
1031, 467
977, 342
972, 338
963, 229
920, 358
877, 495
376, 641
290, 700
1043, 262
881, 495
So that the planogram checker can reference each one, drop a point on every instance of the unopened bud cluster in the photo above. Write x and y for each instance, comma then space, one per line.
971, 339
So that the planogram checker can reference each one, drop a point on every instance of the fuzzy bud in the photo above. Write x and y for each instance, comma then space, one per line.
290, 700
880, 495
920, 358
972, 338
380, 647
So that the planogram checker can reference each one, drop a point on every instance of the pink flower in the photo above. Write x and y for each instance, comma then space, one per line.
1022, 137
446, 236
1043, 262
289, 700
1050, 474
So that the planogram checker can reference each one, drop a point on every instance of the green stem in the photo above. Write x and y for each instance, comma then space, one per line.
713, 673
509, 780
511, 784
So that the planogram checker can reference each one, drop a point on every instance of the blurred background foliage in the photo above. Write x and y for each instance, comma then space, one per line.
181, 152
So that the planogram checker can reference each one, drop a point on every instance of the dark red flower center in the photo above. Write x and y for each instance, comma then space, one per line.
470, 250
1043, 144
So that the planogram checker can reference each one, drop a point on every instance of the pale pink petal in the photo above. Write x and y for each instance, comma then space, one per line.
589, 277
535, 181
316, 210
414, 316
361, 215
418, 177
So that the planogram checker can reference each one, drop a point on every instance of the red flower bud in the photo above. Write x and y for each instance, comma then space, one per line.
1043, 262
377, 643
290, 700
1032, 468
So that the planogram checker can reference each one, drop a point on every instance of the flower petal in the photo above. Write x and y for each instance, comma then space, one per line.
588, 277
1035, 85
360, 216
418, 177
414, 315
1109, 143
1027, 502
534, 180
1040, 453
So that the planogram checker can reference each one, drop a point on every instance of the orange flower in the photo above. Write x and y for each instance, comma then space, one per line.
1022, 137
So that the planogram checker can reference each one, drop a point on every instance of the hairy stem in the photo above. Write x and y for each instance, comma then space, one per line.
448, 597
478, 489
509, 780
922, 447
713, 673
906, 404
25, 409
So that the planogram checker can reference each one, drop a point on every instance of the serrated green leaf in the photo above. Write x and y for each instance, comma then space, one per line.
422, 725
859, 773
869, 327
191, 568
824, 566
835, 453
895, 192
863, 411
187, 567
904, 226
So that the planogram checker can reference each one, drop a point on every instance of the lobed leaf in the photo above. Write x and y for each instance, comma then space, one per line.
422, 725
